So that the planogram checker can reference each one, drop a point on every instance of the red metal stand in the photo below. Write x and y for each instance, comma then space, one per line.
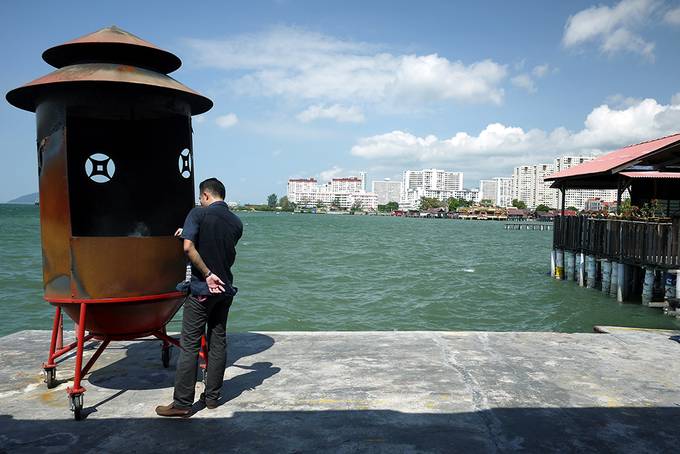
57, 349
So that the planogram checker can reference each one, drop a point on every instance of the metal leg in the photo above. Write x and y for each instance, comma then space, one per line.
80, 334
53, 341
75, 394
50, 367
96, 356
60, 336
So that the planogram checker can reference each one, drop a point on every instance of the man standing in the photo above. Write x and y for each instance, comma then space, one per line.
210, 234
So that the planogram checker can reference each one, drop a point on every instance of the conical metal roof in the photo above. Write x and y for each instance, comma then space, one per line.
108, 56
112, 45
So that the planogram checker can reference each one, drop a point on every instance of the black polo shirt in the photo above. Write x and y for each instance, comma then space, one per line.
214, 230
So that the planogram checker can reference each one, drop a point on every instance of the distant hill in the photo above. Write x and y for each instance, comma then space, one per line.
26, 199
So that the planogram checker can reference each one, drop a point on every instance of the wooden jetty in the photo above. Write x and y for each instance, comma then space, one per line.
641, 243
633, 255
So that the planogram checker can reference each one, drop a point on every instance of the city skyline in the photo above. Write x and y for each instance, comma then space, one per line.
305, 89
526, 184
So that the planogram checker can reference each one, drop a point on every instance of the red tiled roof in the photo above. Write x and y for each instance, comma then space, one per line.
302, 180
651, 174
347, 179
615, 159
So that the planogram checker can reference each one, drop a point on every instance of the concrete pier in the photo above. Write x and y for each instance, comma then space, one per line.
382, 392
570, 261
606, 266
559, 264
581, 265
591, 274
648, 285
614, 284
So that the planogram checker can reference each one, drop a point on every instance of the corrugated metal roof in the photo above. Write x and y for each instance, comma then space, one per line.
610, 161
652, 174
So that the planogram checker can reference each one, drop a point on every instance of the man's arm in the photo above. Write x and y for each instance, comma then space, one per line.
215, 284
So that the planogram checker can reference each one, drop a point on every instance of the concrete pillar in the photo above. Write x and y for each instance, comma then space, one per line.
669, 285
552, 263
559, 264
614, 283
591, 275
648, 286
625, 284
570, 259
606, 275
581, 269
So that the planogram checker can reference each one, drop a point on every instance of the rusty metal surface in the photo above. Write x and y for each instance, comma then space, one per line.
108, 41
27, 96
110, 34
55, 221
124, 319
109, 267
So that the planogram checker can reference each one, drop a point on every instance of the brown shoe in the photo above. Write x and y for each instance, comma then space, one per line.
171, 410
209, 403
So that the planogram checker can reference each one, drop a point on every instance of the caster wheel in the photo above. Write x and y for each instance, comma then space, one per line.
51, 377
76, 402
165, 356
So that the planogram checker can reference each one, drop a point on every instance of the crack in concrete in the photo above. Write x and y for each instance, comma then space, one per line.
479, 401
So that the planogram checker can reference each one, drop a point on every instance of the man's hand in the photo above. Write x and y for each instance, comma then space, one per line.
179, 231
215, 284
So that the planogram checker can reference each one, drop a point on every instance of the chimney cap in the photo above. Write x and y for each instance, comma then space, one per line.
112, 45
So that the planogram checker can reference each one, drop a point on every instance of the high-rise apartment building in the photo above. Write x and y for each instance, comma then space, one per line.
387, 190
362, 177
341, 192
303, 191
349, 184
434, 183
578, 197
503, 191
528, 185
488, 190
498, 190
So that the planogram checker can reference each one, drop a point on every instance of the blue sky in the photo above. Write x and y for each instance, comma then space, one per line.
320, 88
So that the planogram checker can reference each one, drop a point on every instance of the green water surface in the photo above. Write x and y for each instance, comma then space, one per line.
325, 272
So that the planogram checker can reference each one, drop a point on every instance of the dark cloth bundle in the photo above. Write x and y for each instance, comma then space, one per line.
197, 287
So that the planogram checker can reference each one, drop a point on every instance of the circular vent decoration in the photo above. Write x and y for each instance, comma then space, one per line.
100, 168
184, 163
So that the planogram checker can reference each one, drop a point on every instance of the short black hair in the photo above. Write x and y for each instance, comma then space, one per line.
213, 186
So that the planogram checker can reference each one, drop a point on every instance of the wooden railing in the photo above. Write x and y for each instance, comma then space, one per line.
635, 242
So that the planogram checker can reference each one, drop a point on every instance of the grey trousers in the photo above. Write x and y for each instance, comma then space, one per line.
212, 312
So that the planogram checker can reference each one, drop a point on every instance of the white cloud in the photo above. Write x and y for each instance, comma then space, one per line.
524, 81
331, 173
499, 148
296, 63
618, 101
227, 121
614, 29
672, 16
335, 112
540, 70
